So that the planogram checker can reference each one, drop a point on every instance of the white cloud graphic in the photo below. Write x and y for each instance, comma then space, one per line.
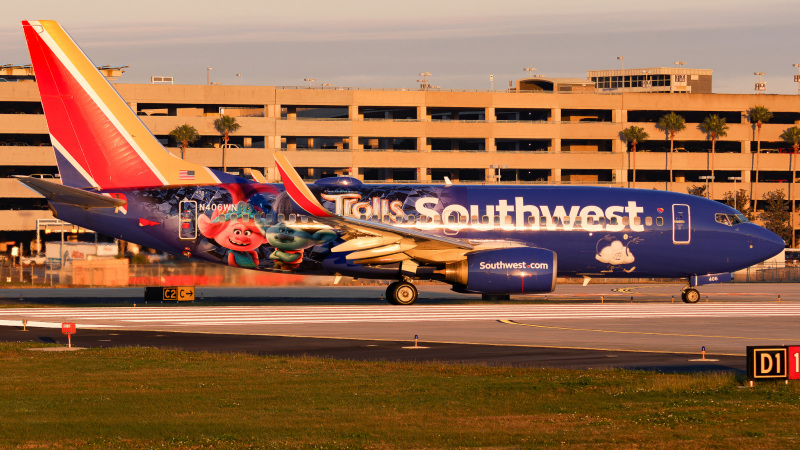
615, 254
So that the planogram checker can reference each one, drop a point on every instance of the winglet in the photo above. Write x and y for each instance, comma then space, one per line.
297, 189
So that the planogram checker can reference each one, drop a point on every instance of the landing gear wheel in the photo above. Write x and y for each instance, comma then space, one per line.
690, 296
401, 293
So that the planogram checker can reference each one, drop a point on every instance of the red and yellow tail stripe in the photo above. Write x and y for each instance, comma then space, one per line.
297, 189
91, 126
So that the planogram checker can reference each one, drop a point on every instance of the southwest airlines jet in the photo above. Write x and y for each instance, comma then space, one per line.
496, 241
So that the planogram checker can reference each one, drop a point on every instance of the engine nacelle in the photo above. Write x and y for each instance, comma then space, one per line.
518, 270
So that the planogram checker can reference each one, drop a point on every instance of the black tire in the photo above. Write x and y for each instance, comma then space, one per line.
390, 292
690, 296
495, 297
403, 293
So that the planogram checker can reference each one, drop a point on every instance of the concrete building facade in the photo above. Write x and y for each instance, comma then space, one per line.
410, 136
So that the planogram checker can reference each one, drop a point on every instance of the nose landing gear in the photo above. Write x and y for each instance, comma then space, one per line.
690, 295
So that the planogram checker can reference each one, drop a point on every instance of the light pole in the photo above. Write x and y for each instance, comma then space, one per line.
491, 82
496, 169
621, 59
797, 77
529, 70
309, 80
760, 87
241, 79
735, 197
208, 75
707, 178
680, 64
424, 85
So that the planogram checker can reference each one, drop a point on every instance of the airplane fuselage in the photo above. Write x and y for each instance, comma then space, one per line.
594, 231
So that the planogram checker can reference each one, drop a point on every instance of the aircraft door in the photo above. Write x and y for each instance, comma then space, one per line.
681, 224
187, 228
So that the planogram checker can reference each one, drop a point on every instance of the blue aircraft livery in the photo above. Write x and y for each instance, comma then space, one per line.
492, 240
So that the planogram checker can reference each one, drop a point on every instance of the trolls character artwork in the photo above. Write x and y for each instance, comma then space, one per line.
240, 230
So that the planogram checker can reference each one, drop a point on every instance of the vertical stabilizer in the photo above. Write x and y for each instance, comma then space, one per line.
99, 142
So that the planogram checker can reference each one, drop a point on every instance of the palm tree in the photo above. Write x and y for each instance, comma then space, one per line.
671, 123
792, 136
226, 125
185, 134
716, 128
634, 135
758, 115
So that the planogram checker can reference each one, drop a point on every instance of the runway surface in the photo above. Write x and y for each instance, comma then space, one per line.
650, 332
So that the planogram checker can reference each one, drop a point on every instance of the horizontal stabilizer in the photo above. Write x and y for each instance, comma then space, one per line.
64, 194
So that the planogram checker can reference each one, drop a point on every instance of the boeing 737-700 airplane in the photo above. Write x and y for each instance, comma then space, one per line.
497, 241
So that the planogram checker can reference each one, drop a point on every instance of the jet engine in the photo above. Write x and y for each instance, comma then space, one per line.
519, 270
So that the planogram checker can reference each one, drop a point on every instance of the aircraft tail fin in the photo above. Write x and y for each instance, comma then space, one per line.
98, 140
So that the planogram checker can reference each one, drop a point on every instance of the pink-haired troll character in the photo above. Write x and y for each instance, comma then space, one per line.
239, 229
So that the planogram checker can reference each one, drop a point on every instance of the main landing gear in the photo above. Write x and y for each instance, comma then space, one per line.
401, 293
690, 294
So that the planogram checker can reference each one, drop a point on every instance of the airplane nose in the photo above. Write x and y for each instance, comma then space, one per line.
766, 243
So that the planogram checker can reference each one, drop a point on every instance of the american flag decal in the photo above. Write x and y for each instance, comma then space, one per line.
186, 174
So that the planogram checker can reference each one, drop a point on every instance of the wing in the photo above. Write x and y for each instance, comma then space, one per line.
372, 242
378, 243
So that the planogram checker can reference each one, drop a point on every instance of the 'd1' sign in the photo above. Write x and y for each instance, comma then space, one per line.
767, 363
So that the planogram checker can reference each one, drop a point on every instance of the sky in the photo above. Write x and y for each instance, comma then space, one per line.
381, 44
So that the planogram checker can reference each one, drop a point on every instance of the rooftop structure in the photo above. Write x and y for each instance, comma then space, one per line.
653, 79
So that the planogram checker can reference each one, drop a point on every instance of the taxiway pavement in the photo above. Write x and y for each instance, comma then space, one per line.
572, 328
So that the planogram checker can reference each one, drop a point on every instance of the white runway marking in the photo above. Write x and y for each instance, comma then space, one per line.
266, 315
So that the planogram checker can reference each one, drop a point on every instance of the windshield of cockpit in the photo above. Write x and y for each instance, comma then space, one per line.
730, 219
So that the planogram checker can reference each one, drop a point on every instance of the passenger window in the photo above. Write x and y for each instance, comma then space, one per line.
637, 220
625, 221
648, 221
659, 221
508, 220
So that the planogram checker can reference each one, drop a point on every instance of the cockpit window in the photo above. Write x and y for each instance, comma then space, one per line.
730, 219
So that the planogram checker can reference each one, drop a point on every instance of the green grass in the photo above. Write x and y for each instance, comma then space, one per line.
145, 398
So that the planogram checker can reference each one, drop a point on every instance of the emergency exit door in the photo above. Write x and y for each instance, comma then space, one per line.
681, 224
187, 228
